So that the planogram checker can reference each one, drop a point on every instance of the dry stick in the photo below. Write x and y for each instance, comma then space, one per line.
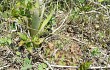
93, 11
6, 66
62, 22
46, 62
99, 67
60, 66
96, 3
78, 40
76, 67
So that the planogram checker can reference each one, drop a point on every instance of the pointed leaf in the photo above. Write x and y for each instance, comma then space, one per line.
100, 0
82, 1
23, 36
45, 22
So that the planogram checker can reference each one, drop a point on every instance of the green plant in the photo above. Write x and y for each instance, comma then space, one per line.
81, 1
100, 0
37, 23
42, 66
29, 42
5, 41
95, 52
85, 66
26, 64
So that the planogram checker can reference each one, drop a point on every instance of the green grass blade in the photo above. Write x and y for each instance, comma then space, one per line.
42, 13
45, 22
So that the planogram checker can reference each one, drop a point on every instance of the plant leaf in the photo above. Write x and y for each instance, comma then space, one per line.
30, 49
18, 53
43, 9
37, 40
26, 64
23, 36
5, 41
21, 43
42, 66
45, 22
81, 1
100, 0
35, 22
85, 65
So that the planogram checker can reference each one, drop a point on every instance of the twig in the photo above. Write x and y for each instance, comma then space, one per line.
78, 40
60, 66
6, 66
93, 11
96, 3
46, 62
76, 67
62, 22
99, 67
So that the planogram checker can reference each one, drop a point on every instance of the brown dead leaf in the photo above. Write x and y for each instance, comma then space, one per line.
75, 49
